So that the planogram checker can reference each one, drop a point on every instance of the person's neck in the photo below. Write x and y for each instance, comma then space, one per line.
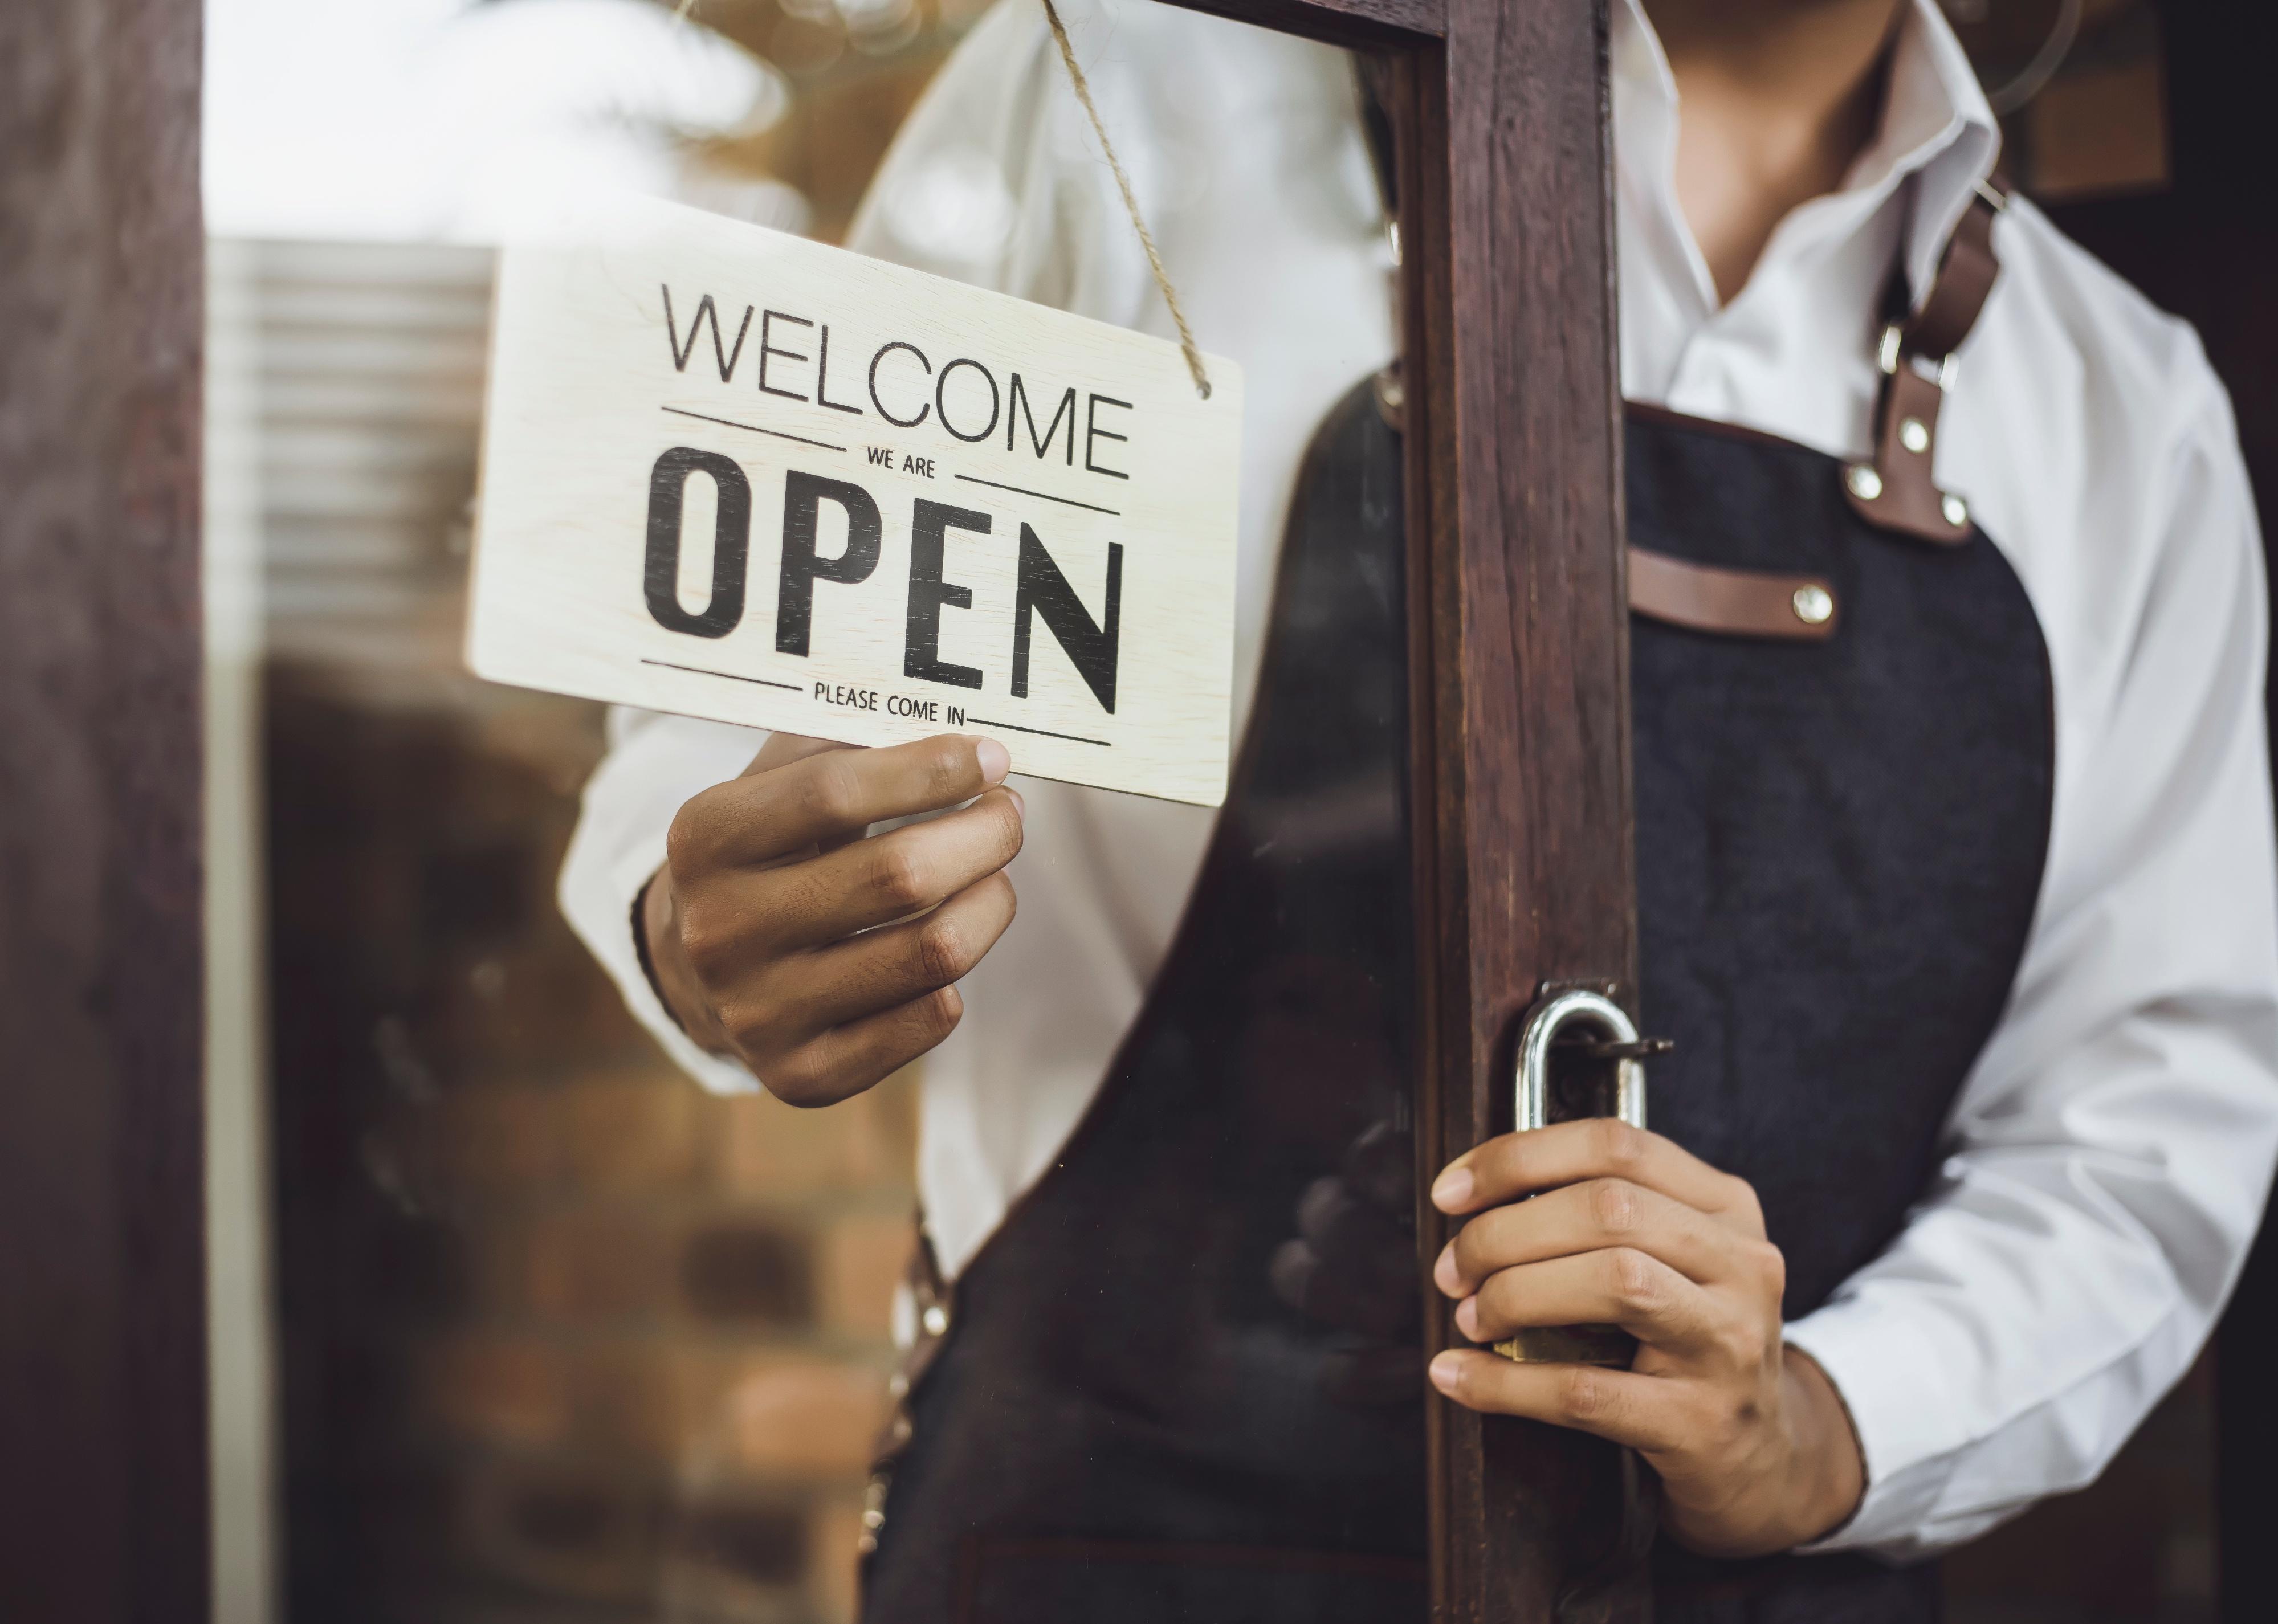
1776, 99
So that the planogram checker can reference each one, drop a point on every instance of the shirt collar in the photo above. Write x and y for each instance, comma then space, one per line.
1937, 130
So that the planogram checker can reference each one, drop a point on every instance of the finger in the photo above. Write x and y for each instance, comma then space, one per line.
902, 872
1517, 1164
825, 796
741, 921
808, 993
840, 1063
1590, 1216
783, 749
1643, 1412
1642, 1294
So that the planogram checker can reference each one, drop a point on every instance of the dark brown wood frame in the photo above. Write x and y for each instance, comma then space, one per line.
103, 1373
1520, 678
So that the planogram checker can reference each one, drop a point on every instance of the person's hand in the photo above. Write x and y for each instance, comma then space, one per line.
1754, 1447
823, 957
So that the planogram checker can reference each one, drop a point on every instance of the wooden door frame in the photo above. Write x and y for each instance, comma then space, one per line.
103, 1496
1520, 663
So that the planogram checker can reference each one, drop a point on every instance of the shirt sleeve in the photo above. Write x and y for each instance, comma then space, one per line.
2110, 1153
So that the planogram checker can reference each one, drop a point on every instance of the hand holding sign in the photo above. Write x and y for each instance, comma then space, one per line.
823, 958
737, 475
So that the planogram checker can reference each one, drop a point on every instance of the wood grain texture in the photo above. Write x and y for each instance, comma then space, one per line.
1524, 821
103, 1390
1519, 688
1361, 23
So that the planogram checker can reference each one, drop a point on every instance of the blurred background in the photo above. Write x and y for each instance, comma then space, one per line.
511, 1323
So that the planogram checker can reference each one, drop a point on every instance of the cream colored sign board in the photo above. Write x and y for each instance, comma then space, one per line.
738, 474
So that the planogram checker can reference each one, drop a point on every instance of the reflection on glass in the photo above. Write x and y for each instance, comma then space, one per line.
560, 1336
557, 1328
1182, 1379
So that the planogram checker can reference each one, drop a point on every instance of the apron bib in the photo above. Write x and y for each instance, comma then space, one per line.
1125, 1422
1146, 1399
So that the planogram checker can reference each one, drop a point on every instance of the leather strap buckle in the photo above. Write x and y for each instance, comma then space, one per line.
1893, 489
1893, 347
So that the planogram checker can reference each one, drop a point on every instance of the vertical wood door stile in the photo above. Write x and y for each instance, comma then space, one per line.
1519, 695
1524, 864
103, 1377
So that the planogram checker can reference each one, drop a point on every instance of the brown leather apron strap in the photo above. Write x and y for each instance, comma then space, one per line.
1965, 278
1734, 603
1894, 489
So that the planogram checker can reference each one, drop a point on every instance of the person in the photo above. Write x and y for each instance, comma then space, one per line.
1957, 895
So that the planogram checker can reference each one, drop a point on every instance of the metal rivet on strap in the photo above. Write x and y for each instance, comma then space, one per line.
936, 1320
1913, 435
1813, 604
1865, 483
1956, 510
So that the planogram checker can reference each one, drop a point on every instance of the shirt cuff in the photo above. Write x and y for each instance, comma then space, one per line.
1888, 1374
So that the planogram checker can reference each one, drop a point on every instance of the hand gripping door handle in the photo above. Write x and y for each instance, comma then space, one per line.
1617, 1039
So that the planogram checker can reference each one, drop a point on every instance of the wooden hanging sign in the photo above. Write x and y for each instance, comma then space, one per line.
735, 474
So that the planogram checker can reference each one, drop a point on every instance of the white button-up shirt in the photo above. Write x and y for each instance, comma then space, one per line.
2108, 1158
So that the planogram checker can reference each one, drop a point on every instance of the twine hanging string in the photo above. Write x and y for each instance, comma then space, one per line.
1187, 345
